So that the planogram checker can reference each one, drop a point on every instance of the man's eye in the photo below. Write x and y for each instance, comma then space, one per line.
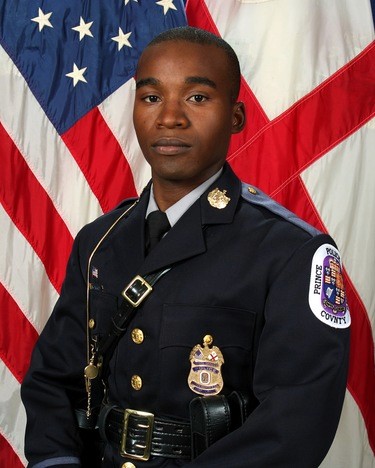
151, 99
198, 98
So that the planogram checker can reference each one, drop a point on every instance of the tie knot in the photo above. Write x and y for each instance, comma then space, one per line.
157, 225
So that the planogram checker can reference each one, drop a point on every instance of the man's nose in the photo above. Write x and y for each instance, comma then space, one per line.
172, 114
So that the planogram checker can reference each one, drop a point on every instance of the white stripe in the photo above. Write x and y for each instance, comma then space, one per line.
43, 149
117, 111
12, 421
23, 274
288, 47
351, 449
341, 185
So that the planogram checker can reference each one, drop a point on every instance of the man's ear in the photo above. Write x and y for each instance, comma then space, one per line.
238, 117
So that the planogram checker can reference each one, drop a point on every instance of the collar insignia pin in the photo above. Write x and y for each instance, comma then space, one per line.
217, 199
205, 374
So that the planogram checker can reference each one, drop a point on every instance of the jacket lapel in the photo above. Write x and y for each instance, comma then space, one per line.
124, 250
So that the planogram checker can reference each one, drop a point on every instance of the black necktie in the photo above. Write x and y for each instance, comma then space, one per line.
157, 225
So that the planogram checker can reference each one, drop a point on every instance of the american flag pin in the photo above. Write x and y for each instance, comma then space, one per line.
95, 272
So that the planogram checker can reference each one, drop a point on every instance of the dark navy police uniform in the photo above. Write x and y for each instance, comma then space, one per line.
251, 275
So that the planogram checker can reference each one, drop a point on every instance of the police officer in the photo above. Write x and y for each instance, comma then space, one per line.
238, 355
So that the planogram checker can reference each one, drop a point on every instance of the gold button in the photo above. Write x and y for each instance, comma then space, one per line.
208, 340
136, 382
91, 323
128, 465
252, 190
137, 336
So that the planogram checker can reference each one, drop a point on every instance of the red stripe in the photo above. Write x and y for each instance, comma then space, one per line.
8, 457
296, 198
101, 159
300, 136
32, 211
199, 16
17, 336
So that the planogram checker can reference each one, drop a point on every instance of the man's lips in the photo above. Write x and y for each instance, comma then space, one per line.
170, 146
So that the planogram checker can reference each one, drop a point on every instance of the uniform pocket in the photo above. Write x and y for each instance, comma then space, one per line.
184, 326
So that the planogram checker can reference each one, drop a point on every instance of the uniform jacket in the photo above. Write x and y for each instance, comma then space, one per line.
241, 274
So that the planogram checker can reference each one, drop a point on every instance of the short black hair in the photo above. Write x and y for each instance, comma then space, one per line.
202, 37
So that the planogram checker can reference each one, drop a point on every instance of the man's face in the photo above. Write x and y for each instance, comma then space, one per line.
184, 113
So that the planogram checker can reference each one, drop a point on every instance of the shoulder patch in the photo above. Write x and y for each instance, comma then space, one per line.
256, 197
327, 298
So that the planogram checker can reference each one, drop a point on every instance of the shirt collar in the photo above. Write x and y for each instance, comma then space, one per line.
175, 211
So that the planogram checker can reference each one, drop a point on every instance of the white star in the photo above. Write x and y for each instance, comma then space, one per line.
166, 4
122, 39
127, 1
42, 19
83, 29
77, 74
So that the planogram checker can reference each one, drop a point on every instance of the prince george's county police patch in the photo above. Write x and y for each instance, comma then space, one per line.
327, 296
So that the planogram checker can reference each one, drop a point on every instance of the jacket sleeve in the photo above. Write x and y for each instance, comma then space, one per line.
54, 383
299, 379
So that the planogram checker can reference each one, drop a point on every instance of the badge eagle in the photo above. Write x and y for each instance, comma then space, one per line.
205, 373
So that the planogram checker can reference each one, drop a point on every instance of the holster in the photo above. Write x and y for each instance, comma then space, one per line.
84, 422
213, 417
91, 444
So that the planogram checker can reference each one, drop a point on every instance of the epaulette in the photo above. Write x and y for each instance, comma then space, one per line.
256, 197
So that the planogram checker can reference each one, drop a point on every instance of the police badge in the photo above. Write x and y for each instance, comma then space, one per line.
205, 373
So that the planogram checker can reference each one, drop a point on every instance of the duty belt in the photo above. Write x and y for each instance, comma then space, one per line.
140, 434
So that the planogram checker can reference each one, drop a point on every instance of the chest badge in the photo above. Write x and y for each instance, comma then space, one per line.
217, 199
205, 373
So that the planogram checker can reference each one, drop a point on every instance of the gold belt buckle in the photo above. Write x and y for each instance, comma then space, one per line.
136, 291
149, 424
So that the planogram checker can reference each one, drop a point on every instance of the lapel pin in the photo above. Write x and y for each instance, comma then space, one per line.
217, 199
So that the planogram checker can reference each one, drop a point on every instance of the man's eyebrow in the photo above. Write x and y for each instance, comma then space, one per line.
147, 82
189, 80
201, 80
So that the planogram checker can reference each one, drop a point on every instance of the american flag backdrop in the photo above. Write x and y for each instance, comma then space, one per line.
68, 153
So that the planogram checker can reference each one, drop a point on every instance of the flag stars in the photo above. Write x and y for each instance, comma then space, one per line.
43, 19
122, 39
83, 29
77, 74
166, 4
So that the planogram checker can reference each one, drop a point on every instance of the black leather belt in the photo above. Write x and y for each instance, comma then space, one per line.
140, 434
